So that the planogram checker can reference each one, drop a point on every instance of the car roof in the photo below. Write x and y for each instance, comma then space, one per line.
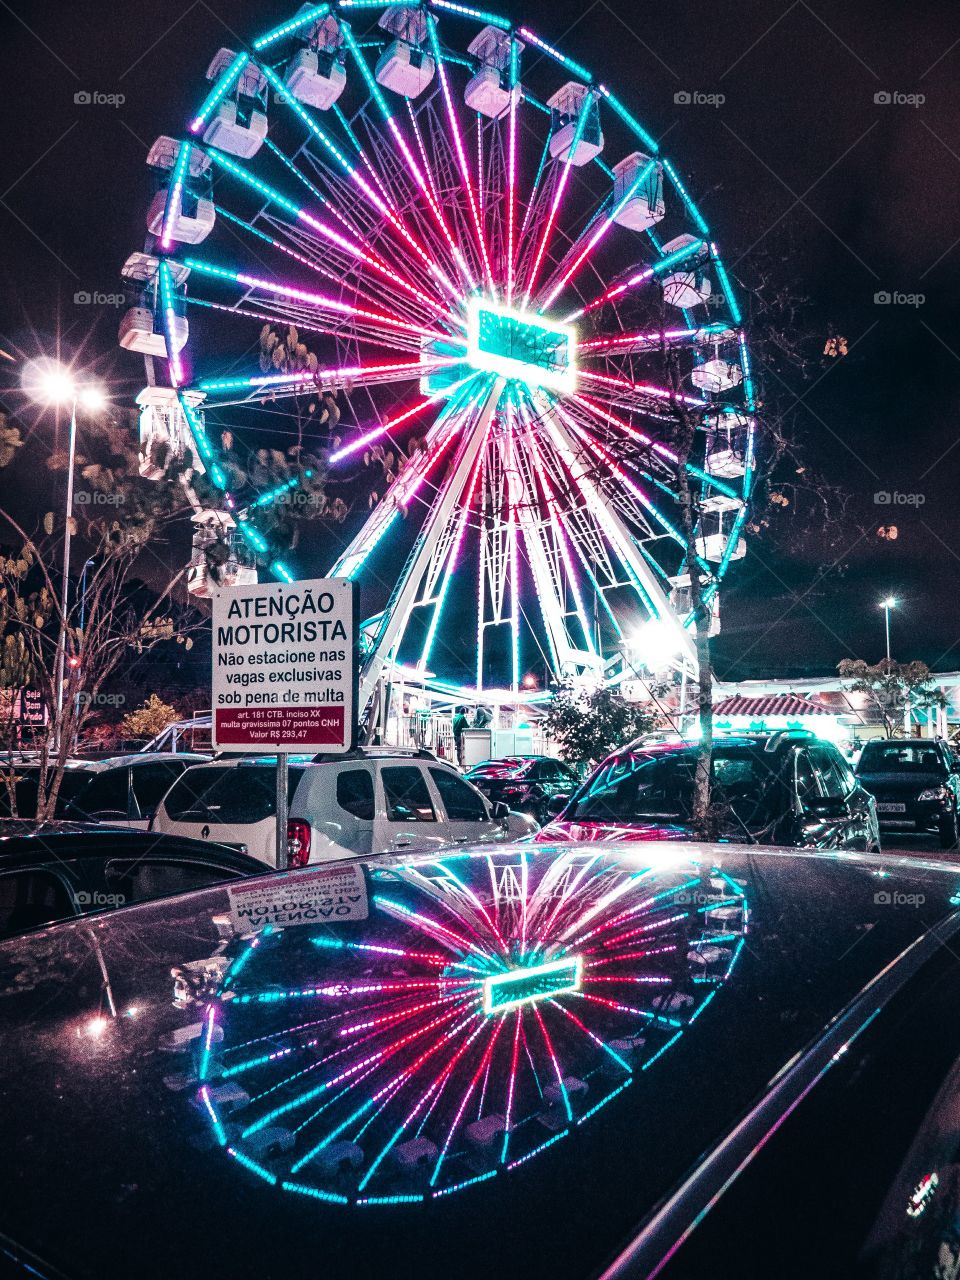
58, 840
195, 1095
152, 757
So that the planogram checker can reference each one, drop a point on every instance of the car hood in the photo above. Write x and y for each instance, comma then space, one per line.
368, 1057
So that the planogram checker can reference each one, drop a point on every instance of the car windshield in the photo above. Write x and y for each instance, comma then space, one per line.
644, 786
484, 1063
900, 757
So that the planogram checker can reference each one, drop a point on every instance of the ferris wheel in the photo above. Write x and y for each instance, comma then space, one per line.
507, 286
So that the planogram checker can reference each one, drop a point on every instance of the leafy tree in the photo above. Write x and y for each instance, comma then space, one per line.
588, 726
149, 720
892, 689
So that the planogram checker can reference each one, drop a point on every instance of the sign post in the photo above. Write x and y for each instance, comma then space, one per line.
285, 674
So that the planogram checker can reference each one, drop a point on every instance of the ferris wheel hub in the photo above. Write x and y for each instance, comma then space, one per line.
521, 345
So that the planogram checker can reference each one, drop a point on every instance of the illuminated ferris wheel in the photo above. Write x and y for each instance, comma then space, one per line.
507, 284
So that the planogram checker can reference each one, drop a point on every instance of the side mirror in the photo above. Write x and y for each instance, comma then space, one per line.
500, 811
558, 803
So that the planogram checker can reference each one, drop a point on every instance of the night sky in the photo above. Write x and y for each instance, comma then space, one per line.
851, 196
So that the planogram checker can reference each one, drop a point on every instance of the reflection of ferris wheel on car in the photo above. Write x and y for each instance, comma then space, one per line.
489, 1006
507, 284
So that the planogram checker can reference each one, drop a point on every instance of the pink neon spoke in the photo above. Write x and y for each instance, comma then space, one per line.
511, 180
362, 441
644, 388
484, 1062
462, 158
642, 341
512, 1080
554, 209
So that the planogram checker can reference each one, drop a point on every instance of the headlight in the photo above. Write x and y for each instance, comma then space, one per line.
934, 793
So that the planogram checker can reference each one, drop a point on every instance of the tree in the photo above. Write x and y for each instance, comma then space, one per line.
149, 720
588, 726
892, 689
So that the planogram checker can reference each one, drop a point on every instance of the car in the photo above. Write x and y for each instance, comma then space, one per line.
125, 790
916, 784
525, 783
785, 788
606, 1060
371, 801
23, 776
61, 870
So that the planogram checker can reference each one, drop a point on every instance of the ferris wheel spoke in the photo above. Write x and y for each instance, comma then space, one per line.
639, 343
636, 395
270, 385
414, 168
461, 153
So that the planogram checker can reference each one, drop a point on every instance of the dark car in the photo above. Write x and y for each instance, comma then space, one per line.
63, 870
127, 789
785, 788
524, 783
916, 785
24, 780
600, 1061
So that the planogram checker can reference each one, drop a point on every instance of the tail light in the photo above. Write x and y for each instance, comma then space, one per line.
298, 842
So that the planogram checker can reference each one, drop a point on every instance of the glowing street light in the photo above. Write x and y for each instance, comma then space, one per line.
886, 605
655, 644
48, 382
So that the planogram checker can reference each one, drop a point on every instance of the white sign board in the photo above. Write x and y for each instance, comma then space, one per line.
322, 895
284, 667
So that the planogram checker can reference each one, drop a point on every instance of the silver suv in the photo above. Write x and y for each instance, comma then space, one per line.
375, 800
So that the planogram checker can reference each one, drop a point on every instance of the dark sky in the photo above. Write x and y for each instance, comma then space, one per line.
799, 160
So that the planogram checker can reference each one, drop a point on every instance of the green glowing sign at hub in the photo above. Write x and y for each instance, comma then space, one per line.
521, 345
535, 982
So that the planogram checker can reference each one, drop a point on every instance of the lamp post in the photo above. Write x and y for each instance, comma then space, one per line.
50, 383
886, 605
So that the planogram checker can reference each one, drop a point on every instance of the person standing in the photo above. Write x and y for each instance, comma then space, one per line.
460, 724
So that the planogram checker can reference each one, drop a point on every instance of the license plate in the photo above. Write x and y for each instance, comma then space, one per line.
891, 808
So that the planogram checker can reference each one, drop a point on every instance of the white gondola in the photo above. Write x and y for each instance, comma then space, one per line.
139, 332
404, 67
637, 199
229, 131
717, 375
689, 285
237, 569
486, 92
315, 79
192, 221
166, 151
165, 435
725, 463
566, 106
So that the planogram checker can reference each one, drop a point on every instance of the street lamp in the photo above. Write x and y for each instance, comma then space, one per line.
48, 382
886, 605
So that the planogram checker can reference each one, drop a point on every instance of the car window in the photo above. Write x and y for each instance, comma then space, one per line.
808, 788
408, 798
106, 792
236, 796
831, 775
140, 879
29, 899
151, 782
459, 799
900, 757
355, 793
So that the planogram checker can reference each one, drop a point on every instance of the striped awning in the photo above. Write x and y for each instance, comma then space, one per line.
776, 704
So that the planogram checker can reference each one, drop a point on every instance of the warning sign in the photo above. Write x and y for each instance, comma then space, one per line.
285, 666
330, 894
